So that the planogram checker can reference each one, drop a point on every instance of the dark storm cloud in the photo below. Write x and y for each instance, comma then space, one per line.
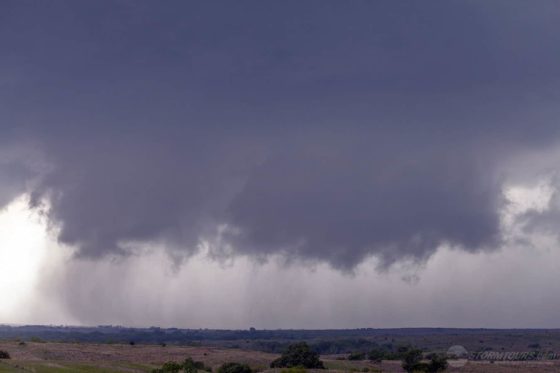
365, 200
20, 166
12, 181
324, 131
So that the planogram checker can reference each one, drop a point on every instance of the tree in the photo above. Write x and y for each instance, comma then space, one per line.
188, 366
376, 355
234, 368
4, 354
191, 366
438, 363
169, 367
412, 361
298, 355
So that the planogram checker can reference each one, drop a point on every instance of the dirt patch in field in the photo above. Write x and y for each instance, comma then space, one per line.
143, 354
142, 358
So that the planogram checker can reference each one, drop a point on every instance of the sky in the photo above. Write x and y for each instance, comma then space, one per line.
293, 164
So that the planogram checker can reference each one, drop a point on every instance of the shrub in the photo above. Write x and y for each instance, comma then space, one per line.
421, 368
169, 367
438, 363
234, 368
191, 366
357, 356
190, 362
188, 366
376, 355
411, 361
293, 370
298, 355
4, 354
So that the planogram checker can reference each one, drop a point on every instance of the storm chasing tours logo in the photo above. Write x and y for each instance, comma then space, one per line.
459, 356
515, 356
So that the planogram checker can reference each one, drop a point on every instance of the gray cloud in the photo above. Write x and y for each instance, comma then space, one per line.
20, 166
343, 202
327, 133
12, 183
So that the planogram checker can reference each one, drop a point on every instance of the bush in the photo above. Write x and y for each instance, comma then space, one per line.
298, 355
293, 370
388, 352
4, 354
357, 356
376, 355
234, 368
188, 366
169, 367
191, 366
438, 363
412, 361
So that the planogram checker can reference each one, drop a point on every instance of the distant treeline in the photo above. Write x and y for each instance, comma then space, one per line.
322, 346
321, 341
333, 341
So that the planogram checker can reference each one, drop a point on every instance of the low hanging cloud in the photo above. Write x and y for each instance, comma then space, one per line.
344, 204
327, 134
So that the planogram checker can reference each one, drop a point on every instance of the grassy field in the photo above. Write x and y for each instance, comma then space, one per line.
111, 358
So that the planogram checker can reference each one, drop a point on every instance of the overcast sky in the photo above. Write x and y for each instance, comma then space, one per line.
280, 164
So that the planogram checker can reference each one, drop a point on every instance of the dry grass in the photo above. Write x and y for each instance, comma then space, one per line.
111, 358
138, 358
